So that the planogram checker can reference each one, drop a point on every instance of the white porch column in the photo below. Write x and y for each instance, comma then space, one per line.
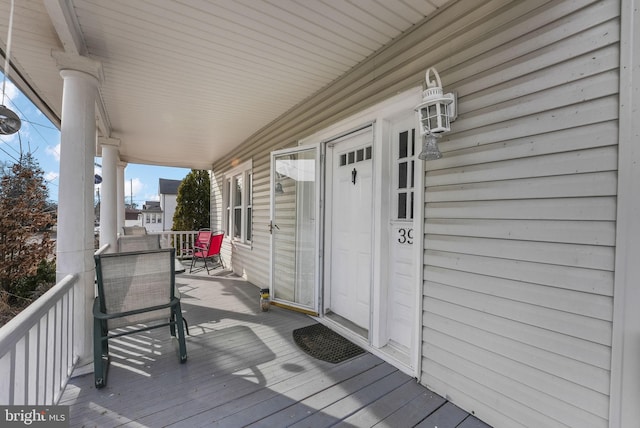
75, 241
109, 193
120, 196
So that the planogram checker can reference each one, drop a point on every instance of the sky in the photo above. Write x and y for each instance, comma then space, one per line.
39, 136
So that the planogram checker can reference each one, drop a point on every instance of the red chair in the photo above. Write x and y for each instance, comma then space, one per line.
207, 247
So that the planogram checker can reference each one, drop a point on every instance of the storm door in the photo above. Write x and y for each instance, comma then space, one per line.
294, 227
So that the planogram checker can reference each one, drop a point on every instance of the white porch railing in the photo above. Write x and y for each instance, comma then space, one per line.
182, 241
36, 349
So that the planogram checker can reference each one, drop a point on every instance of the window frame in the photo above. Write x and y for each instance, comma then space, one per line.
244, 174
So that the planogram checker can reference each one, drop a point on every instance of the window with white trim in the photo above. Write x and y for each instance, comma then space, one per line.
238, 206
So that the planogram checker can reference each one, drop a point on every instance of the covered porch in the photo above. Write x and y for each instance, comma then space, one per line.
524, 238
244, 369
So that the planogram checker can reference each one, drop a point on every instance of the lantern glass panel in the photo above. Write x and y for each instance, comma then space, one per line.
441, 123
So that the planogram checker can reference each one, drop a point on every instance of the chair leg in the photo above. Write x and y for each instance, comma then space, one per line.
172, 325
177, 311
186, 325
220, 262
100, 353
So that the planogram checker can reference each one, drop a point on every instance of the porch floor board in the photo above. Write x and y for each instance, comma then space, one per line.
244, 369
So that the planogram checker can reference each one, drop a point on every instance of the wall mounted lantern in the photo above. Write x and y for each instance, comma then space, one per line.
435, 114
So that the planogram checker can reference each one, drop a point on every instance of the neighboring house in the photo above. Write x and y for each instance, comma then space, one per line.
157, 216
132, 217
487, 274
152, 216
168, 191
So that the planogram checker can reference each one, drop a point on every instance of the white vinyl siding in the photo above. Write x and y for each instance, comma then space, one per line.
519, 213
520, 220
251, 262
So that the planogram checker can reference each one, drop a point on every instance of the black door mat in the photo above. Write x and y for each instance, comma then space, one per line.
324, 344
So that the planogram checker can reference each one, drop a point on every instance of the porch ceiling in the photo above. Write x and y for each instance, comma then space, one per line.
186, 81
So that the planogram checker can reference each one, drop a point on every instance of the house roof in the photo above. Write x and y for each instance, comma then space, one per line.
168, 187
131, 214
184, 83
151, 206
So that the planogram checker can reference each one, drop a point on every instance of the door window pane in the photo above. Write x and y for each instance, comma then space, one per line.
403, 144
402, 175
402, 205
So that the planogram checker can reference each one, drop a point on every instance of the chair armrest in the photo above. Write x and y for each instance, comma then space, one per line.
101, 315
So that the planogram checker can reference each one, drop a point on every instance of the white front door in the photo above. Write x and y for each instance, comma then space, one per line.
349, 187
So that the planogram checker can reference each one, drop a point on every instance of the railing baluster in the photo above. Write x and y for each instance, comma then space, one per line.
180, 240
36, 349
32, 388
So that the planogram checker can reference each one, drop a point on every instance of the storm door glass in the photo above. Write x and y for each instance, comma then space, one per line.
294, 227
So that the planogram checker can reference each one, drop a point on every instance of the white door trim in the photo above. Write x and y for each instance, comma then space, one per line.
379, 115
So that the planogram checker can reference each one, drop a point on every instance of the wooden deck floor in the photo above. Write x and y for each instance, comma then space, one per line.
244, 369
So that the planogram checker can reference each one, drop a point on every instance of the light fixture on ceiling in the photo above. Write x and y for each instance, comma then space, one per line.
9, 121
435, 114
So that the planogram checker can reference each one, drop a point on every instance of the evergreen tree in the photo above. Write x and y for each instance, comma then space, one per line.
25, 214
193, 203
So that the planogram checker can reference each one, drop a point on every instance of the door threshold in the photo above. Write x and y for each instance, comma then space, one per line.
360, 331
389, 353
294, 308
397, 352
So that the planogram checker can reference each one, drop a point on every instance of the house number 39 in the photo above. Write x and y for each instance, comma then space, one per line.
405, 236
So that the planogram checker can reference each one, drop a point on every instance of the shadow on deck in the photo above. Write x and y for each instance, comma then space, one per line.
244, 369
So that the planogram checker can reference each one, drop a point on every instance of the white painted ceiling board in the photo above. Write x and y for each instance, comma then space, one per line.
187, 81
